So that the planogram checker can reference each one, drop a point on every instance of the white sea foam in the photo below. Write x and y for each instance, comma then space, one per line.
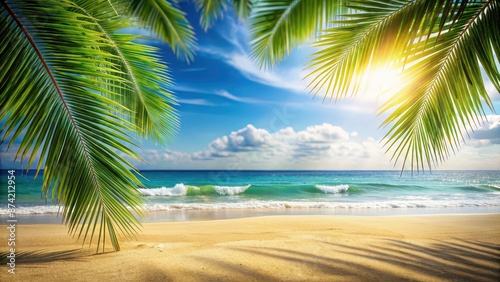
49, 209
231, 190
333, 189
256, 204
178, 190
492, 202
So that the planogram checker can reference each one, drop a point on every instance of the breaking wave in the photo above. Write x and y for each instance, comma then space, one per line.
333, 189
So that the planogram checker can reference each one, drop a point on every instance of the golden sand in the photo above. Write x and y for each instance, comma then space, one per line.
275, 248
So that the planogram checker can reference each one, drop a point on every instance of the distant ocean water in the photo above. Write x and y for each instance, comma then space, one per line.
321, 192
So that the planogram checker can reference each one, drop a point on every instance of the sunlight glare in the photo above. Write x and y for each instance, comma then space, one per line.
381, 83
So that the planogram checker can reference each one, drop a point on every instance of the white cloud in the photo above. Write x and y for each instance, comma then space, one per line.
236, 34
282, 78
321, 139
227, 95
322, 146
199, 102
487, 133
244, 140
289, 79
221, 93
474, 158
325, 133
492, 91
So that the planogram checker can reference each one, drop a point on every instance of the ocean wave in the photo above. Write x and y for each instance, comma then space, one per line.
231, 190
494, 186
32, 210
257, 204
271, 204
178, 190
333, 189
183, 190
484, 187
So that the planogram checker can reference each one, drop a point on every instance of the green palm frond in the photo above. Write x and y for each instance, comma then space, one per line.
140, 70
243, 8
278, 26
76, 90
438, 47
211, 10
166, 21
432, 112
373, 35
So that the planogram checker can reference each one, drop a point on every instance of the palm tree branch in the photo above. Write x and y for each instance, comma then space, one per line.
61, 125
210, 11
442, 68
447, 122
51, 76
123, 60
152, 114
243, 8
278, 26
356, 50
166, 21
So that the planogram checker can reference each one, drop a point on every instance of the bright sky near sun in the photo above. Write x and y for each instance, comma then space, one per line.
235, 116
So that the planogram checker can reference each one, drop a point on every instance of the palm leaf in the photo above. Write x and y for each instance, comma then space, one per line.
278, 26
66, 84
140, 70
432, 113
166, 21
243, 8
439, 48
439, 55
375, 35
211, 10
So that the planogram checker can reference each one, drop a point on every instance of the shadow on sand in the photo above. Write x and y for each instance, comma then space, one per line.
383, 260
38, 257
457, 260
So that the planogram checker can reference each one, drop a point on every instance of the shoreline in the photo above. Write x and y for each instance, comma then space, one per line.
458, 247
188, 215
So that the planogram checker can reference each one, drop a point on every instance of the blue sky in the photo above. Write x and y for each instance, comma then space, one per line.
235, 116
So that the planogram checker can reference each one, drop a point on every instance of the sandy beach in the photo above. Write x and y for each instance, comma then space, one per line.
274, 248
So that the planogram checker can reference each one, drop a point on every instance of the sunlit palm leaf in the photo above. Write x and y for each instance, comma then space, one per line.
439, 47
446, 99
373, 35
442, 89
166, 21
140, 71
211, 10
67, 84
243, 8
278, 26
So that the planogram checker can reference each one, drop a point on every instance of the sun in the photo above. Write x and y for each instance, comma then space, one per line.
381, 83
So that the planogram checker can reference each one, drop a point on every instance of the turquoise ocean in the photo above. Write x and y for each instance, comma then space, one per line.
196, 195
